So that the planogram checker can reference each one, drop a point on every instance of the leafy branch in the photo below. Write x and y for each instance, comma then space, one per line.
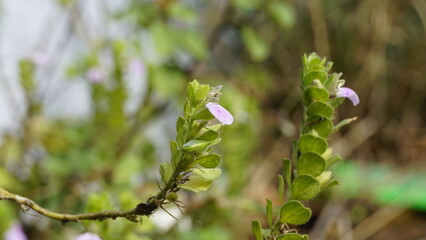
311, 155
192, 167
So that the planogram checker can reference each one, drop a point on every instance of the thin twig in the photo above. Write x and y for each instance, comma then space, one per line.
140, 210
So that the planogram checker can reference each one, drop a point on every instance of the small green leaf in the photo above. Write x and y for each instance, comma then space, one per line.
287, 171
315, 74
256, 46
281, 188
208, 173
269, 211
257, 230
321, 109
196, 146
311, 143
330, 184
312, 93
196, 184
305, 187
343, 123
209, 135
283, 13
191, 90
202, 92
204, 114
310, 163
293, 212
166, 171
322, 126
293, 236
193, 42
173, 147
187, 108
334, 159
209, 161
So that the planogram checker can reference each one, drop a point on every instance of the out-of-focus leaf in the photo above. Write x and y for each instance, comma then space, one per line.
256, 46
283, 13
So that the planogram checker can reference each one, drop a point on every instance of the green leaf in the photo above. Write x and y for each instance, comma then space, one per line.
293, 212
209, 161
321, 109
196, 146
323, 127
196, 184
334, 159
209, 135
312, 93
314, 74
173, 147
283, 13
166, 171
161, 35
180, 126
330, 184
310, 163
208, 173
293, 236
287, 171
311, 143
343, 123
257, 230
202, 92
193, 42
305, 187
204, 114
191, 90
256, 46
269, 211
281, 188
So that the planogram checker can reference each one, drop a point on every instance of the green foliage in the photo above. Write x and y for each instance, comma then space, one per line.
293, 212
257, 230
311, 143
310, 163
293, 236
257, 47
310, 152
305, 187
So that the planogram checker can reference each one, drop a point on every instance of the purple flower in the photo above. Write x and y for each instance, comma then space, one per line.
220, 113
88, 236
39, 58
348, 93
15, 232
136, 66
95, 75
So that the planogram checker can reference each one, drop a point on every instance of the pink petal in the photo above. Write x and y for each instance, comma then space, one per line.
15, 232
95, 75
88, 236
220, 113
348, 93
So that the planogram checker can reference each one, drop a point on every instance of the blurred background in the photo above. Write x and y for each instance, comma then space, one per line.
90, 91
